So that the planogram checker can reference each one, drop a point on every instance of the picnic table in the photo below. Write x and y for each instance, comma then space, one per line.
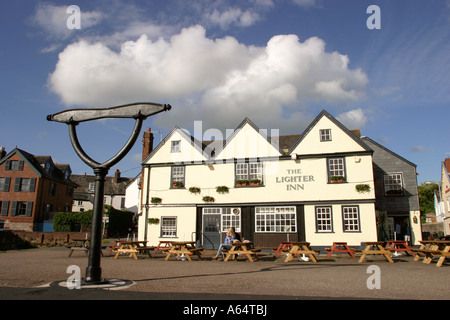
341, 247
283, 247
301, 248
79, 245
132, 248
241, 248
375, 247
433, 248
399, 245
186, 248
163, 246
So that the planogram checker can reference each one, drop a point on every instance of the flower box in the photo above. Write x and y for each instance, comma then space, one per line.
242, 183
337, 179
255, 182
177, 184
394, 193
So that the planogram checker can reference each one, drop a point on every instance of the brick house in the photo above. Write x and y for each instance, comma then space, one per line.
32, 189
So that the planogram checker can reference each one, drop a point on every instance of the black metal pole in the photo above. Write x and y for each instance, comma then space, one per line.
93, 270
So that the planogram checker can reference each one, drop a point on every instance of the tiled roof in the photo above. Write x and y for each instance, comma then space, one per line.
111, 186
38, 164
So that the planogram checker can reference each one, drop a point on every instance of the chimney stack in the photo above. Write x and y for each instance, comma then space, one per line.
357, 133
2, 152
147, 142
447, 164
117, 176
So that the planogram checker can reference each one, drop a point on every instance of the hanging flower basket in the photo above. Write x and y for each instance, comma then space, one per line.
156, 200
153, 220
208, 199
194, 190
361, 188
222, 189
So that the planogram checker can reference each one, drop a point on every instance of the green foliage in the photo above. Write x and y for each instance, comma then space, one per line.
361, 188
66, 221
208, 199
222, 189
194, 190
426, 196
153, 220
156, 200
120, 222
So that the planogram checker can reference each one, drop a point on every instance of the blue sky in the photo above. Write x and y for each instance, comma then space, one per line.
277, 62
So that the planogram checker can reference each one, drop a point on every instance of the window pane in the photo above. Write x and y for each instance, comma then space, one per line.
274, 219
351, 218
168, 227
178, 174
336, 167
256, 171
393, 182
325, 135
241, 171
323, 219
176, 146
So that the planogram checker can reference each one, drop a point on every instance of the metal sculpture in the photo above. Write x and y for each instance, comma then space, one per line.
72, 117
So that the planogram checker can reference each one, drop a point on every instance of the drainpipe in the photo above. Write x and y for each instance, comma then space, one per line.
147, 204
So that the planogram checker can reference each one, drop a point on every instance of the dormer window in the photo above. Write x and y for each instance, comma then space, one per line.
47, 167
67, 174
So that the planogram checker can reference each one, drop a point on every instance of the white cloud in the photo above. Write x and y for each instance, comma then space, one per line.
305, 3
232, 16
419, 148
220, 81
353, 119
53, 20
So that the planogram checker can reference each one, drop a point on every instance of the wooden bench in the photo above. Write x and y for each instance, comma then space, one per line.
244, 249
75, 248
145, 249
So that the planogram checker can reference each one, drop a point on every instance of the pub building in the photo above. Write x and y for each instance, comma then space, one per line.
317, 186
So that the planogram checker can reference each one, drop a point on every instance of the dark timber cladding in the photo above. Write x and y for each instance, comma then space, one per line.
248, 232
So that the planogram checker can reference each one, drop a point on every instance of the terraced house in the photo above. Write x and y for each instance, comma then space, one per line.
317, 186
32, 189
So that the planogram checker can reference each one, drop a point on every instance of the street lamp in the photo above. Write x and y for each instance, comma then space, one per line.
72, 117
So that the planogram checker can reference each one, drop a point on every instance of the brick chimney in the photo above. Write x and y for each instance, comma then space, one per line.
147, 143
117, 176
447, 164
2, 152
357, 133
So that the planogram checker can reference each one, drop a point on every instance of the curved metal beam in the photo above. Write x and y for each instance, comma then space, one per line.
127, 147
78, 149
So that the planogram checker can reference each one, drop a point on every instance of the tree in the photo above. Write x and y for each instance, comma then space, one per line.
426, 197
